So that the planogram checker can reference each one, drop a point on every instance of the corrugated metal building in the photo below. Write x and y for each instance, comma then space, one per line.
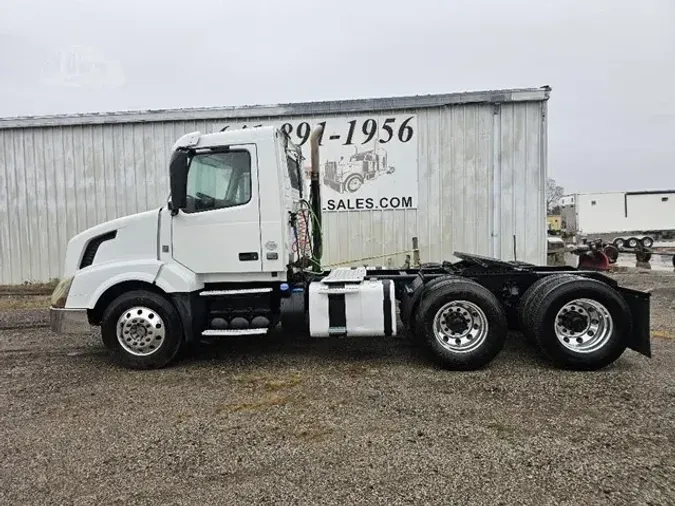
470, 174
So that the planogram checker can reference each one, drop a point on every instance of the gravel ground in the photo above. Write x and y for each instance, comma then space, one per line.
357, 421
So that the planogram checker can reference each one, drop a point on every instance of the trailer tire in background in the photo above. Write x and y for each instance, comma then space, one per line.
463, 324
147, 324
633, 242
580, 324
619, 242
531, 295
647, 242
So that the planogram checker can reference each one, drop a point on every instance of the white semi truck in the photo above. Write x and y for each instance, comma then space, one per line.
217, 260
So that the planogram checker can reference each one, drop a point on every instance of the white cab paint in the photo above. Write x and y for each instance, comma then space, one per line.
174, 278
136, 239
183, 252
90, 283
211, 241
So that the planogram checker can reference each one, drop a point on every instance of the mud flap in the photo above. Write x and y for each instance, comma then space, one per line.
638, 302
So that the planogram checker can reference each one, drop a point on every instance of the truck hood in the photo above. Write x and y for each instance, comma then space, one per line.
129, 237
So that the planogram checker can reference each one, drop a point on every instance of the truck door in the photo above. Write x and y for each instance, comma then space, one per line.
219, 230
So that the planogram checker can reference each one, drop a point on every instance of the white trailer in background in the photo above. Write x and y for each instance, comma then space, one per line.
624, 218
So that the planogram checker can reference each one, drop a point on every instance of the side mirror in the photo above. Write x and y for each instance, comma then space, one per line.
178, 171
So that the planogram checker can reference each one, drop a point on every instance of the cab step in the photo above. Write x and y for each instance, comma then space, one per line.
234, 332
242, 291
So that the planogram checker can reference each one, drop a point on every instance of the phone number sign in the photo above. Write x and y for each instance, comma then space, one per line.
367, 162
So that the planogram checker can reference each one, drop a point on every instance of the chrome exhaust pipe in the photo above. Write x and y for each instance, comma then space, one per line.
315, 197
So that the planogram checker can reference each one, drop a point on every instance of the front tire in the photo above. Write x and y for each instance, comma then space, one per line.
142, 329
463, 324
581, 324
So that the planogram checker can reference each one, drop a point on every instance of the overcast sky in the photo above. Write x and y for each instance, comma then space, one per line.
611, 64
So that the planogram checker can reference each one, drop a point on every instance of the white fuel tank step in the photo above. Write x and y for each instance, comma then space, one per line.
234, 332
365, 308
345, 275
243, 291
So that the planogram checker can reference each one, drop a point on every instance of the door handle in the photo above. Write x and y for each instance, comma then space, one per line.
248, 256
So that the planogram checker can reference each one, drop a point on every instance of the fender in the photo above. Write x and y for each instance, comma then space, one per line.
92, 282
174, 278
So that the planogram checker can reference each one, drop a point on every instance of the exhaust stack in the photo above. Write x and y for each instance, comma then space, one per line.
315, 197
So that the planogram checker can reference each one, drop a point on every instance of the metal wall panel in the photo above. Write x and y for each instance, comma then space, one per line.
481, 173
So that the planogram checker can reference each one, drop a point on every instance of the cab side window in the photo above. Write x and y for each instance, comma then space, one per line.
218, 181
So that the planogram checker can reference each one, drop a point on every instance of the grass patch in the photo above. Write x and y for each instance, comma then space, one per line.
30, 288
266, 402
13, 302
502, 429
314, 433
663, 334
269, 383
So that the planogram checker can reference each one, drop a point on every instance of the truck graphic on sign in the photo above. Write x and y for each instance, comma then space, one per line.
348, 176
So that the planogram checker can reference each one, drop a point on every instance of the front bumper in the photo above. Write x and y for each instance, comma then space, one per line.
69, 321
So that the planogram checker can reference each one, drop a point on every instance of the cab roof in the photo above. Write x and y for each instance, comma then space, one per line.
239, 136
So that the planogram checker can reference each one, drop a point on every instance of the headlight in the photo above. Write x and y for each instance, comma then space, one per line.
60, 293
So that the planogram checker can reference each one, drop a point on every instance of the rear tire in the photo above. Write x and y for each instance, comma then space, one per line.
417, 336
619, 242
142, 329
531, 295
463, 324
633, 242
647, 242
581, 324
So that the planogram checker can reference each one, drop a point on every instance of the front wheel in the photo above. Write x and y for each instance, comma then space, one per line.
463, 324
142, 329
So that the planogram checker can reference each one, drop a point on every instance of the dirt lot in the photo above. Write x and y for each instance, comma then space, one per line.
357, 421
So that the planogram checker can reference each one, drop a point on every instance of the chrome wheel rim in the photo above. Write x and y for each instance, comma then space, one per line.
140, 331
460, 326
583, 325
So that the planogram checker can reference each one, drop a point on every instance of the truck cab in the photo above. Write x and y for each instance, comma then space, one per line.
228, 229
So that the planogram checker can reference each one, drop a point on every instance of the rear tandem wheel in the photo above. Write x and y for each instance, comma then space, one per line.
531, 295
463, 324
581, 324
